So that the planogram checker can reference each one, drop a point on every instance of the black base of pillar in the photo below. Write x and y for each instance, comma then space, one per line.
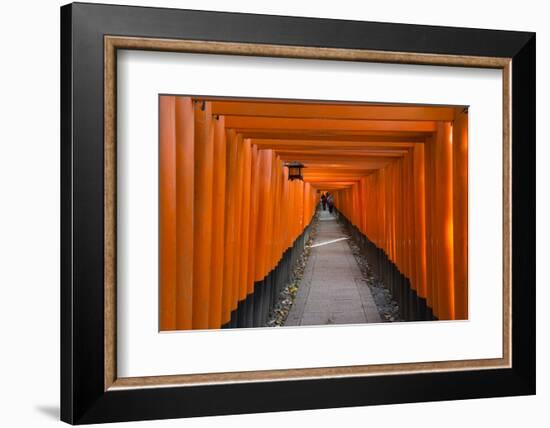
422, 309
411, 306
258, 289
241, 314
249, 310
255, 310
233, 321
429, 314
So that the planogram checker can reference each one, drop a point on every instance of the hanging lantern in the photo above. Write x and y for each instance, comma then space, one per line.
295, 170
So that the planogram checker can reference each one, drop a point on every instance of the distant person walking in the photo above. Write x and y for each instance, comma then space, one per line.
330, 202
324, 201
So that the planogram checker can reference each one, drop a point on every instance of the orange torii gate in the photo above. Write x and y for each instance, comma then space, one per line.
415, 210
223, 227
232, 224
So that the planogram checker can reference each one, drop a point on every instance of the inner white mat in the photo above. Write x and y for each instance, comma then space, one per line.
143, 351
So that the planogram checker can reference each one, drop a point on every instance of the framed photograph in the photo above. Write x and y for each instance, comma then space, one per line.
265, 213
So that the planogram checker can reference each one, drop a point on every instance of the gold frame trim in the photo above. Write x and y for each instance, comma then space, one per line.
112, 43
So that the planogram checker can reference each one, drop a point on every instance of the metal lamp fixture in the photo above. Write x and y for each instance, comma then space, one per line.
295, 170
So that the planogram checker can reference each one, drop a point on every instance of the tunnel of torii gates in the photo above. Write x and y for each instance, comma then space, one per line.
232, 224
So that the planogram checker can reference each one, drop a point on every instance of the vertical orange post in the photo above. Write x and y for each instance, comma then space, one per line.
392, 212
237, 200
411, 219
268, 212
277, 211
254, 204
420, 217
185, 169
290, 210
204, 168
286, 220
245, 220
430, 202
307, 203
399, 217
444, 223
218, 224
260, 229
167, 211
460, 212
229, 255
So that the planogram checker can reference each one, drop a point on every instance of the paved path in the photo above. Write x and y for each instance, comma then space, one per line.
331, 291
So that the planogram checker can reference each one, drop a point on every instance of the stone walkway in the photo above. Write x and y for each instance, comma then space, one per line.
331, 291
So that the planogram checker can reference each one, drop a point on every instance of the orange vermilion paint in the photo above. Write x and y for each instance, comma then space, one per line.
460, 212
202, 221
185, 181
167, 204
230, 207
218, 225
228, 212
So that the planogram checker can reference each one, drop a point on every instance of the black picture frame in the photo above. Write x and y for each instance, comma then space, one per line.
83, 396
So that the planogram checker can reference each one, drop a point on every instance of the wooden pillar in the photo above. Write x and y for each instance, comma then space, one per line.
230, 207
393, 198
268, 213
410, 212
262, 229
254, 204
399, 215
431, 290
276, 209
286, 221
238, 201
381, 204
245, 219
444, 222
460, 212
185, 181
420, 218
204, 163
167, 211
218, 224
291, 208
300, 213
